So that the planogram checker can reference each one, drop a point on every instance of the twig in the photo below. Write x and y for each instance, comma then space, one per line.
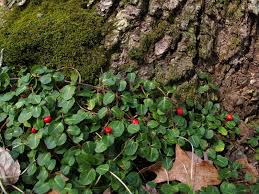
161, 91
79, 75
2, 187
192, 156
17, 189
115, 176
98, 135
167, 176
98, 179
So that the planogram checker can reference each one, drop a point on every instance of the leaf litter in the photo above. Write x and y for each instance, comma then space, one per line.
9, 169
187, 168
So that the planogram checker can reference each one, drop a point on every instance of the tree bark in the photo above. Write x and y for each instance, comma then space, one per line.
171, 40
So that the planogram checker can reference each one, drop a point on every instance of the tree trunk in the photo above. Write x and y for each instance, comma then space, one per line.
171, 40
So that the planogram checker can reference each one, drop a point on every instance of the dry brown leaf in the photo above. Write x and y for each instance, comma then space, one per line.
9, 169
197, 173
245, 132
53, 192
107, 191
249, 169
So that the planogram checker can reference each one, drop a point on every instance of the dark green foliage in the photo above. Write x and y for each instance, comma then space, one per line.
54, 33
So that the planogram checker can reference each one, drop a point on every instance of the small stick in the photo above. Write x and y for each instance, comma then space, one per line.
115, 176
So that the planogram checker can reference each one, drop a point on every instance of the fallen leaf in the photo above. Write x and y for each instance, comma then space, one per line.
107, 191
187, 168
150, 190
9, 169
53, 192
245, 132
248, 168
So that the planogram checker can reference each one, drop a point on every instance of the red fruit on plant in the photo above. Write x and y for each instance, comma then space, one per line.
108, 130
229, 117
33, 130
179, 111
47, 119
135, 121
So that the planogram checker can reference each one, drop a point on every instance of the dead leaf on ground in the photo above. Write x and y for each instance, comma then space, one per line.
198, 173
248, 168
9, 169
245, 131
53, 192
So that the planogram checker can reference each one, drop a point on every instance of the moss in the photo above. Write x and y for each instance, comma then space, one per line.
55, 33
136, 54
152, 37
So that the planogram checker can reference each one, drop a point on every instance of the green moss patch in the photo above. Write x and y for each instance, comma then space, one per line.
55, 33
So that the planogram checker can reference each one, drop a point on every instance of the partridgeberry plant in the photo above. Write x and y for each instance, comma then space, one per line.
76, 138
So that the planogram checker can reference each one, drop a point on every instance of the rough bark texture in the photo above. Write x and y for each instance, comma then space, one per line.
170, 40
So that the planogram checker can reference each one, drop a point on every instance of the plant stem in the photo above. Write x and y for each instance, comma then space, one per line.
115, 176
2, 187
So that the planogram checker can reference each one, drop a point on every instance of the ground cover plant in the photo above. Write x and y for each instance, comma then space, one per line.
74, 137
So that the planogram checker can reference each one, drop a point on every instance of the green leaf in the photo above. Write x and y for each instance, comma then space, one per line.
219, 146
167, 188
34, 99
102, 112
73, 130
78, 139
167, 163
66, 105
149, 85
36, 111
117, 112
45, 79
108, 140
2, 116
228, 188
61, 139
20, 90
58, 76
131, 77
91, 104
165, 104
74, 77
25, 115
130, 148
102, 169
108, 98
7, 96
209, 134
195, 140
153, 155
152, 124
148, 102
55, 128
230, 124
33, 140
223, 131
133, 128
59, 183
86, 178
31, 169
50, 142
122, 85
221, 161
43, 158
142, 109
41, 188
67, 92
117, 128
100, 147
203, 89
51, 164
43, 175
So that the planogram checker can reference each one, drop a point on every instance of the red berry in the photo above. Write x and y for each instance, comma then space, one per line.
33, 130
229, 117
180, 111
47, 119
135, 121
108, 130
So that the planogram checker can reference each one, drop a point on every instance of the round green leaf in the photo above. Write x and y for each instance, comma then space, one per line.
87, 177
130, 148
223, 131
102, 169
133, 128
25, 115
117, 128
221, 161
59, 183
122, 85
50, 142
108, 98
219, 146
165, 104
100, 147
33, 140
